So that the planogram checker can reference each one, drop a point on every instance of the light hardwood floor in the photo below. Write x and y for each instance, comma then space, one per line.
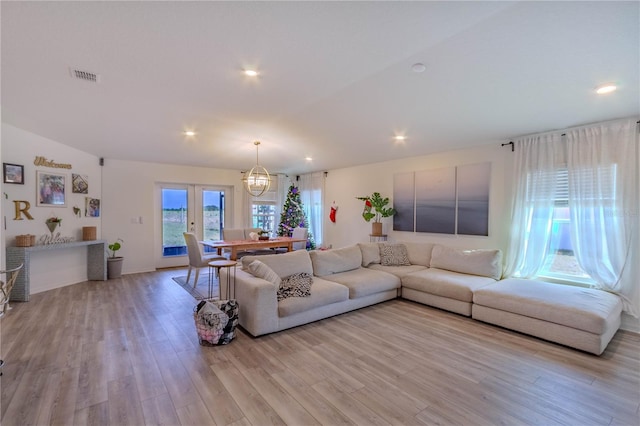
125, 352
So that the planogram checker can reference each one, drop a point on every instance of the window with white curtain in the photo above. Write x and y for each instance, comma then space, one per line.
575, 212
560, 262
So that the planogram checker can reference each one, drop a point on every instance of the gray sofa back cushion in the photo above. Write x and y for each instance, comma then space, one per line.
370, 253
327, 262
419, 253
284, 265
485, 263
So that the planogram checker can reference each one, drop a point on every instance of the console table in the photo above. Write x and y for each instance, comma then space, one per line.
96, 263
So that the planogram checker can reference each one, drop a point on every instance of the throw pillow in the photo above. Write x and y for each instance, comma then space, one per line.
260, 270
296, 285
394, 255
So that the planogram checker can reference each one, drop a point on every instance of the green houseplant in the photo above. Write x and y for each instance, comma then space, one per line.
114, 263
375, 207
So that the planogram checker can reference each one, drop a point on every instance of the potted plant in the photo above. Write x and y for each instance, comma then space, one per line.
375, 207
114, 263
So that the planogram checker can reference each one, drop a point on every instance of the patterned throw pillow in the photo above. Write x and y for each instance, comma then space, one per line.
296, 285
260, 270
394, 255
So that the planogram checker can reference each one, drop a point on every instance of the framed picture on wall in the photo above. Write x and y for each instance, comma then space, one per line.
51, 189
13, 173
79, 184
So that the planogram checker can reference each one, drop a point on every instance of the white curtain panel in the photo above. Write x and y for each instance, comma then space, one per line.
602, 164
311, 188
283, 187
536, 162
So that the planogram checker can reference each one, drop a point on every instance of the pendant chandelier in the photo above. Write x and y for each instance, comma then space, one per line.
257, 180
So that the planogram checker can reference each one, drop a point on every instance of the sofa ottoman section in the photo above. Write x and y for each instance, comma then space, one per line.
582, 318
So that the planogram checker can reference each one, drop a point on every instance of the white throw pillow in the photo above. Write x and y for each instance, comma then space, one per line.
260, 270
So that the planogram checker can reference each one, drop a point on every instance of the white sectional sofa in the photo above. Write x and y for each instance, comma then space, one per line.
467, 282
340, 284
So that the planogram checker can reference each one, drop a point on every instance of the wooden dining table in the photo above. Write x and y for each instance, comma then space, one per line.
242, 245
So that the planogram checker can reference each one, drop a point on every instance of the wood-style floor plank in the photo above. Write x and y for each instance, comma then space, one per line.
125, 352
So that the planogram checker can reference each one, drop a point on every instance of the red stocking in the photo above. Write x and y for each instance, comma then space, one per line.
332, 215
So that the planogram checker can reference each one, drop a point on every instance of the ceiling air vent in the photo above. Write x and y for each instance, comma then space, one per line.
84, 75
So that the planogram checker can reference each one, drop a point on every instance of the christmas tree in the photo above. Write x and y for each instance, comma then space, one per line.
293, 217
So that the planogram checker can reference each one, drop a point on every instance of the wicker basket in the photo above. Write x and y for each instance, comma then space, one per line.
26, 240
88, 233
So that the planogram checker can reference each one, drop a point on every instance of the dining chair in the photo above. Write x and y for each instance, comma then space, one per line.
296, 233
233, 234
300, 233
237, 234
5, 294
197, 259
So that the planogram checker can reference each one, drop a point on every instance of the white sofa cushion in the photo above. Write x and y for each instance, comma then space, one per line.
370, 253
363, 281
419, 253
485, 263
285, 264
327, 262
580, 308
440, 282
260, 270
398, 271
323, 293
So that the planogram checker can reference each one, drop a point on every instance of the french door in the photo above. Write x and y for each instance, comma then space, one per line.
189, 208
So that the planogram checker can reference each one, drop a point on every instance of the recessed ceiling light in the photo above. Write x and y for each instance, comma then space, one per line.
418, 67
399, 138
308, 158
251, 73
606, 88
189, 133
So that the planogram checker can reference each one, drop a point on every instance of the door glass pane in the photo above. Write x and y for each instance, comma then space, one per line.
174, 221
212, 208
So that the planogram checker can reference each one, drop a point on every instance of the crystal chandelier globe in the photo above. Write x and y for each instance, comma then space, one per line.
257, 181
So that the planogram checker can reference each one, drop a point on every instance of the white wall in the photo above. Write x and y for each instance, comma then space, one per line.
344, 185
59, 267
130, 192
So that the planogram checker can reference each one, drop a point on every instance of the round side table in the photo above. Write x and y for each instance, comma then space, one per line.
231, 284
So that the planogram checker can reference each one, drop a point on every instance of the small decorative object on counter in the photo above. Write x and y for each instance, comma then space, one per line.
26, 240
89, 233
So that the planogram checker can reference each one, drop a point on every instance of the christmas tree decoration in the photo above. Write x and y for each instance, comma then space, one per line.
293, 216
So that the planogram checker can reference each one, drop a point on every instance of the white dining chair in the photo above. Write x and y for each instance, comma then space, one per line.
197, 259
300, 233
297, 233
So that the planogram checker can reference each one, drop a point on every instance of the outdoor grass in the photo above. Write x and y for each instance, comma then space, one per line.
174, 223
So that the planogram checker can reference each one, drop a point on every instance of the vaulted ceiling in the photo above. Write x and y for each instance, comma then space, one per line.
336, 79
